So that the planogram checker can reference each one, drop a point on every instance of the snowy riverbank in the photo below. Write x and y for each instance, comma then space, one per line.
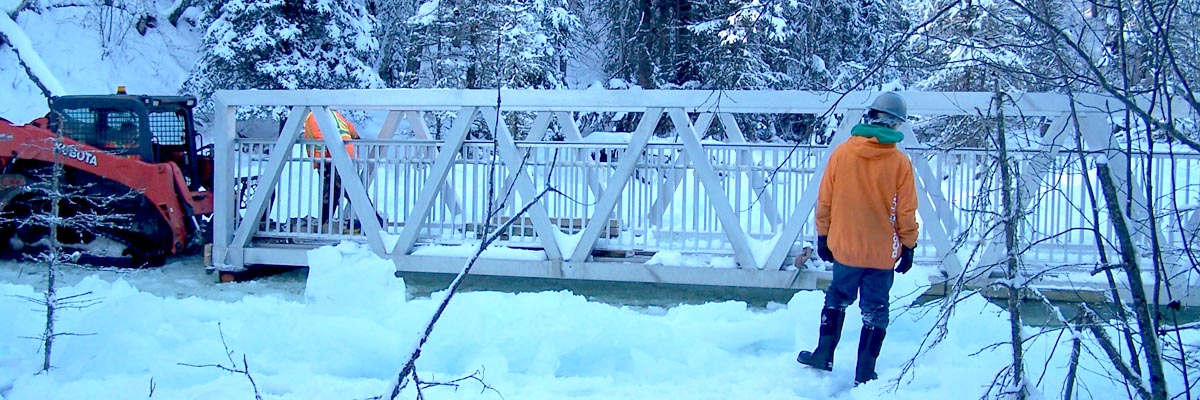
343, 333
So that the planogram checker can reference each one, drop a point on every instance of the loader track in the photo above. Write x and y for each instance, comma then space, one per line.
142, 231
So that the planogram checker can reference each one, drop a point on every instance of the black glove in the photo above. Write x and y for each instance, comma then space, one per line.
906, 256
823, 248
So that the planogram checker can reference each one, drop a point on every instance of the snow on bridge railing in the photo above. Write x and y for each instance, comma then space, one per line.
672, 191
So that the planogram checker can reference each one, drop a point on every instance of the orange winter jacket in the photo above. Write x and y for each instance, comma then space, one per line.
313, 132
867, 203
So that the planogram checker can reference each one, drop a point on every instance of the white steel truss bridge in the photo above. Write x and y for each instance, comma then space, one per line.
682, 195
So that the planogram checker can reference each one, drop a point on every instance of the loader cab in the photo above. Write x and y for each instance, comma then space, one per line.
152, 129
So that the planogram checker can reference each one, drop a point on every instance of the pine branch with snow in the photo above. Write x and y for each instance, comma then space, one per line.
263, 44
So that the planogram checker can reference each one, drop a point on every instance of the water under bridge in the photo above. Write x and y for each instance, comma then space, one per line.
685, 194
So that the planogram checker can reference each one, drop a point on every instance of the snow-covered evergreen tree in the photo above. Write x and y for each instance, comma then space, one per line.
741, 46
543, 39
975, 46
654, 47
511, 44
290, 44
836, 45
971, 46
494, 43
399, 49
749, 44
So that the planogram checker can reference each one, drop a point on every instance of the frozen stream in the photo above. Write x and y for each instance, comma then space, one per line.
185, 277
181, 277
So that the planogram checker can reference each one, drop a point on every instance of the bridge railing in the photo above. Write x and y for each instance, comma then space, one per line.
646, 221
659, 187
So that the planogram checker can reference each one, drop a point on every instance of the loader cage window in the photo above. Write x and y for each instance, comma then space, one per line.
119, 134
79, 124
169, 128
115, 131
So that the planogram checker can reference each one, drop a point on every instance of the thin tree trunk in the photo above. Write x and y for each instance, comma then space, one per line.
51, 298
384, 69
1146, 328
1092, 323
1072, 365
643, 71
1013, 272
1118, 303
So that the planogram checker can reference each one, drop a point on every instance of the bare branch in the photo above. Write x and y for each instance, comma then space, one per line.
233, 368
410, 366
476, 376
1184, 327
33, 77
1116, 92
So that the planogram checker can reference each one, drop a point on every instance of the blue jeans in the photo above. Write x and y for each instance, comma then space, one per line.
875, 286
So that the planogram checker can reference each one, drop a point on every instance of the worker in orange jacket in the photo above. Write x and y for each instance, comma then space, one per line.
867, 227
330, 181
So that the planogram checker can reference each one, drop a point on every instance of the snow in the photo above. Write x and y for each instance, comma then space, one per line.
608, 137
677, 259
344, 332
496, 252
426, 14
16, 36
567, 242
9, 6
69, 42
342, 328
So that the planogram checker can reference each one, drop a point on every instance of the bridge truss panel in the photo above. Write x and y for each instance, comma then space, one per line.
679, 177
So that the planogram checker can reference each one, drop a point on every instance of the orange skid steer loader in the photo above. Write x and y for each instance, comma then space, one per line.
141, 149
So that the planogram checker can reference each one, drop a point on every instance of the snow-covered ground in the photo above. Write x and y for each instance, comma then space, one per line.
342, 330
345, 331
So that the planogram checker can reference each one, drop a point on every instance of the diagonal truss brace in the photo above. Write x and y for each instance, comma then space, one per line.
360, 203
1031, 178
273, 170
745, 159
612, 193
712, 186
936, 213
449, 196
433, 183
514, 159
571, 130
808, 199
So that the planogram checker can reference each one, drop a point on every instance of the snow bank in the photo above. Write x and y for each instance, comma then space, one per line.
346, 280
85, 62
20, 42
349, 334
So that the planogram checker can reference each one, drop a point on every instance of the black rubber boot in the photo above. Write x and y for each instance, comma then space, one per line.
831, 333
870, 341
